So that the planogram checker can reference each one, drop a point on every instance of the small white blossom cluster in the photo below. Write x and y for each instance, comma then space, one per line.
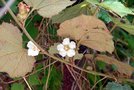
67, 48
32, 49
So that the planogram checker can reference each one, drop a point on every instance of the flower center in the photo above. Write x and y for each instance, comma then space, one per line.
34, 48
66, 47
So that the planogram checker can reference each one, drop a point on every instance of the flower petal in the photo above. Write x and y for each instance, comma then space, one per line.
63, 53
60, 47
32, 52
66, 41
70, 53
72, 45
30, 44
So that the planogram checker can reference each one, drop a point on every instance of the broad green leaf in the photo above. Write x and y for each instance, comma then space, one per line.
17, 86
33, 80
48, 8
117, 86
132, 9
93, 1
91, 32
116, 7
126, 27
103, 15
69, 13
14, 60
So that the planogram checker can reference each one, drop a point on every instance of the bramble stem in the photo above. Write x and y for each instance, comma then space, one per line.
114, 26
45, 52
27, 83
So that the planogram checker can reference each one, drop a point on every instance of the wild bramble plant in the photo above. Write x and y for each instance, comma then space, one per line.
67, 45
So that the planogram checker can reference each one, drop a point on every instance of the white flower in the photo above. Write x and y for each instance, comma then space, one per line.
67, 48
32, 49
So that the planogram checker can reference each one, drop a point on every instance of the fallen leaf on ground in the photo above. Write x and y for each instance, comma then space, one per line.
14, 60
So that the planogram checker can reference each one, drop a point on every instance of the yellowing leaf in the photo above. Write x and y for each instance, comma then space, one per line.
53, 49
48, 8
13, 58
123, 68
78, 56
91, 32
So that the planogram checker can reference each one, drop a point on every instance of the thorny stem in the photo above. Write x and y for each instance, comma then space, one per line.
46, 53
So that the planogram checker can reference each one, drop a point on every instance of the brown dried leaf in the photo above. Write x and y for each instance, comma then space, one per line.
91, 31
13, 58
123, 68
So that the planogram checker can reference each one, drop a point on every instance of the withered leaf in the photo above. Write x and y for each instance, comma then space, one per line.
14, 60
91, 32
123, 68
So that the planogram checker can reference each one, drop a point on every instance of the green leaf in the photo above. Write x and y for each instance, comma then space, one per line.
117, 86
55, 78
101, 65
92, 79
17, 86
93, 1
52, 30
34, 80
103, 15
53, 49
32, 30
116, 7
14, 7
69, 13
114, 67
126, 27
78, 56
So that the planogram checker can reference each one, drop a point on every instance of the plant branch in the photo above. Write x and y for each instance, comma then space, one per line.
27, 83
46, 53
114, 26
96, 11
